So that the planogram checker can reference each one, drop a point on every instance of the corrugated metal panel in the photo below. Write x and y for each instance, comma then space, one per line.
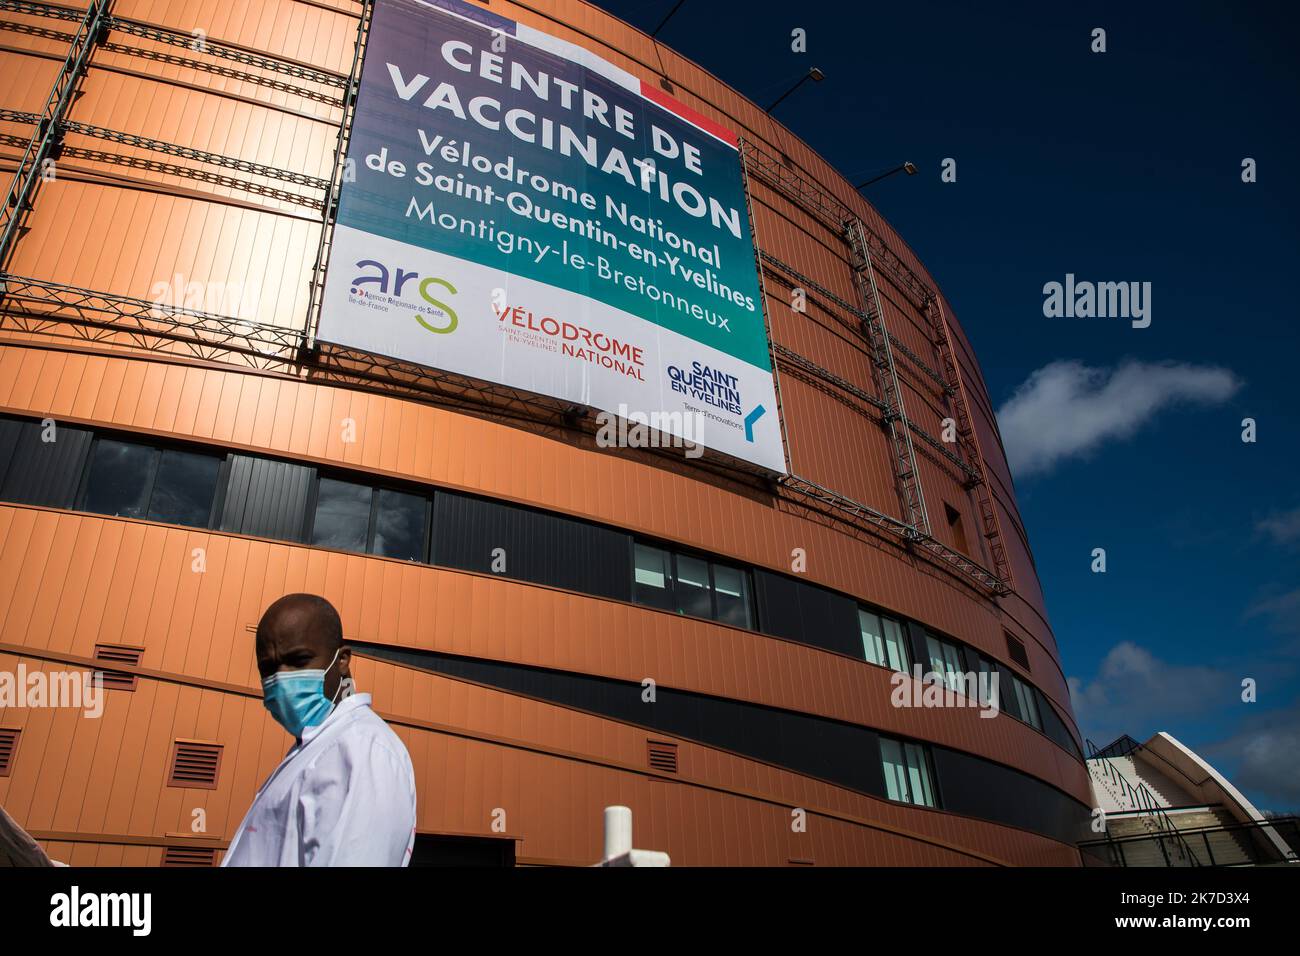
266, 498
10, 429
806, 613
538, 547
46, 473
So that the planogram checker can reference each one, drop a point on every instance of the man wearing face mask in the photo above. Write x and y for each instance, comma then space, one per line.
344, 795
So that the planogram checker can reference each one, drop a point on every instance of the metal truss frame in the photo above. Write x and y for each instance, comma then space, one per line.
46, 136
227, 52
883, 370
172, 59
836, 215
172, 149
334, 187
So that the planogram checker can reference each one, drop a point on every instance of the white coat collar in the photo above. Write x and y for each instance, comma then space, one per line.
347, 705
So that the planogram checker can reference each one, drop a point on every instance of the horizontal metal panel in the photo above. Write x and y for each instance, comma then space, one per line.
806, 613
495, 538
982, 789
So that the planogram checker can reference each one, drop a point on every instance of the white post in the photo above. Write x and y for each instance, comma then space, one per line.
618, 842
618, 831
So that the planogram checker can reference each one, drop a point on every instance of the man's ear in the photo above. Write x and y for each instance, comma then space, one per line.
345, 662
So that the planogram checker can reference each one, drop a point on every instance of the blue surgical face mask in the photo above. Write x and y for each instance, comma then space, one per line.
296, 699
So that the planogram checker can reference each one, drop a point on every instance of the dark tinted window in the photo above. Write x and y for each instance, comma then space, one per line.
399, 525
342, 515
731, 591
184, 488
691, 587
120, 478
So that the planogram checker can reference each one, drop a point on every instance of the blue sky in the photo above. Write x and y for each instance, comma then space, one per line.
1120, 166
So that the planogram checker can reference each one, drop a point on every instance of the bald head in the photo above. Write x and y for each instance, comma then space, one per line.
302, 631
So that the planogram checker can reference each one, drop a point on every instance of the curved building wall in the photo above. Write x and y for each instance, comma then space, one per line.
201, 175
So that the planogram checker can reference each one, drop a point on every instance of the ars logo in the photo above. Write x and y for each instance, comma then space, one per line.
394, 286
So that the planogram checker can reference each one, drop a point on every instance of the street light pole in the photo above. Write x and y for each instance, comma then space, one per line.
909, 168
667, 18
814, 74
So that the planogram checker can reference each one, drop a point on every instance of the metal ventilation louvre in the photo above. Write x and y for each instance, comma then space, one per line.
195, 763
662, 755
118, 654
8, 748
1016, 650
189, 856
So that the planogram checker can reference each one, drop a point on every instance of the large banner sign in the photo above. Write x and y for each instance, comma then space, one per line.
520, 211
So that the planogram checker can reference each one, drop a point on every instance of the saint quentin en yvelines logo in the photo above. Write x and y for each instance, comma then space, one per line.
385, 291
716, 388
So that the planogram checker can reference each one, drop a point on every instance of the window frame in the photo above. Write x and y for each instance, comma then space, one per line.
1024, 690
426, 523
83, 485
671, 589
926, 763
156, 447
904, 645
957, 647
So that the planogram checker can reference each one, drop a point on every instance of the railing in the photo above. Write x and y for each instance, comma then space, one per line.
1140, 798
1256, 845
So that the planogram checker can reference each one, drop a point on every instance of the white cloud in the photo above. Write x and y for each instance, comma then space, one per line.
1067, 409
1283, 527
1264, 755
1282, 611
1136, 693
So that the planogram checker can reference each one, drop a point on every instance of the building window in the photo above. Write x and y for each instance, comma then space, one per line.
355, 517
691, 585
945, 660
907, 772
1026, 703
652, 577
883, 642
342, 515
956, 528
731, 591
129, 480
400, 521
184, 488
990, 689
119, 479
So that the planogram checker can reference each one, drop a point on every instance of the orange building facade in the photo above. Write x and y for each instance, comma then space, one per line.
713, 647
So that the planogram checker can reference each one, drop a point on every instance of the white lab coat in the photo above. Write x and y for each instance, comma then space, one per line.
343, 796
